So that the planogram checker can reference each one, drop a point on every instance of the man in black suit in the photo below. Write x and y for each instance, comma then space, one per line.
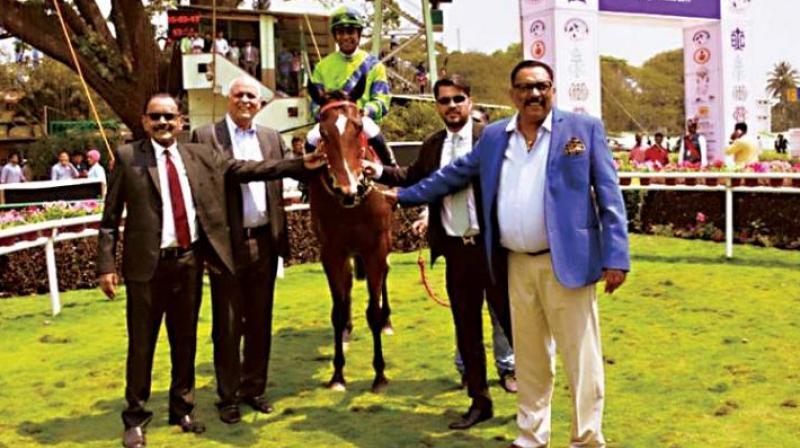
454, 232
176, 221
242, 303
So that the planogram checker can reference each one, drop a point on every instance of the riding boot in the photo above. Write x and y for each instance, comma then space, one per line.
382, 150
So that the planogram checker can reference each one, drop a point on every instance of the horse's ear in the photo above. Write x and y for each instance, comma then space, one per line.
358, 90
317, 95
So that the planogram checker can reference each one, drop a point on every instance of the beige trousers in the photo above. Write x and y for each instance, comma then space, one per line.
546, 315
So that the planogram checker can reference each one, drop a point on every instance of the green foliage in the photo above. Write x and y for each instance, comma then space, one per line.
411, 123
107, 60
700, 352
488, 74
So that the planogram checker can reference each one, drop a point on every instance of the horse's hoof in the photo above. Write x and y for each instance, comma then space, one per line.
337, 386
388, 330
379, 385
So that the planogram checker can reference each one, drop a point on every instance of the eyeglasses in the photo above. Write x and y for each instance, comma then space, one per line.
248, 95
446, 100
542, 87
157, 116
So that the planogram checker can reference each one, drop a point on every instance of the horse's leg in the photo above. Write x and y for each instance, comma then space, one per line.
376, 270
387, 312
340, 280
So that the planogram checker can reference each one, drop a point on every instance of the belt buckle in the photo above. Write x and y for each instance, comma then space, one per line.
468, 240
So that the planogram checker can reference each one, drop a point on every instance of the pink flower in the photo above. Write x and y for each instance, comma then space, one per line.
700, 217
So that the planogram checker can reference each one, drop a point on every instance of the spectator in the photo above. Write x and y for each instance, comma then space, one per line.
781, 144
297, 147
743, 148
284, 69
234, 53
96, 170
198, 43
79, 163
422, 78
657, 153
186, 42
208, 42
693, 147
294, 73
221, 44
637, 152
12, 171
63, 170
249, 58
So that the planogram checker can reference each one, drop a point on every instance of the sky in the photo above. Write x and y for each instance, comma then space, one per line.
472, 26
775, 29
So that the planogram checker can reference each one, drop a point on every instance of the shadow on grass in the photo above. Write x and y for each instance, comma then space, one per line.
716, 260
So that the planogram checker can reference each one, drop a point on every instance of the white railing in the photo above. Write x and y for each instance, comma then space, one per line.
46, 234
725, 186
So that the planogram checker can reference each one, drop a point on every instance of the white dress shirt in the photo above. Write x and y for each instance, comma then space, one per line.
97, 172
168, 237
449, 152
63, 172
11, 174
254, 194
520, 197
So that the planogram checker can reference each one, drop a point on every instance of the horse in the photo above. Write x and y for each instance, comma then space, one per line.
351, 218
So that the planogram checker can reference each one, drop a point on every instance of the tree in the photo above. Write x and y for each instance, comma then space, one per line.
124, 67
782, 78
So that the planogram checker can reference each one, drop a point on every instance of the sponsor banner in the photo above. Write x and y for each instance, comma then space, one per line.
737, 74
576, 66
708, 9
537, 37
702, 60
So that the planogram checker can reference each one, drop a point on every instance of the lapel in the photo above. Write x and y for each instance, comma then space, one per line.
190, 165
558, 137
222, 138
152, 166
263, 142
437, 146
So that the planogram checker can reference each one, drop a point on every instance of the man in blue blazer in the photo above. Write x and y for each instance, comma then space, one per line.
552, 201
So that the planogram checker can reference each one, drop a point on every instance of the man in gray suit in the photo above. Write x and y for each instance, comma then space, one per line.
242, 303
176, 222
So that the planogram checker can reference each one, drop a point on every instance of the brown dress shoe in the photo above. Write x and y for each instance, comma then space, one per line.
474, 416
188, 424
508, 381
134, 437
230, 414
259, 404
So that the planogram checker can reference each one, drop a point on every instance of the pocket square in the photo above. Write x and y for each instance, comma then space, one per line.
574, 147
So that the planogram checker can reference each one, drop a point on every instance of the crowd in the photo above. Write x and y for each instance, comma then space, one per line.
75, 165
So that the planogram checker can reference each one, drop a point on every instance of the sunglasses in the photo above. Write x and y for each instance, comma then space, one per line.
157, 116
542, 87
446, 100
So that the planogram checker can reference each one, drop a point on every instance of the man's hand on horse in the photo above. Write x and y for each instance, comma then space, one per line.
391, 196
371, 169
315, 160
420, 226
614, 278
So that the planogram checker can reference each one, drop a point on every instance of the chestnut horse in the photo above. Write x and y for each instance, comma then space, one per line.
351, 219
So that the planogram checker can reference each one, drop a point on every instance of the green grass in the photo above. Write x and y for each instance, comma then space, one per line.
701, 352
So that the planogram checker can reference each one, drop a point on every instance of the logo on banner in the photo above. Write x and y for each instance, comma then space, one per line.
739, 93
576, 29
578, 91
538, 28
577, 1
576, 65
702, 82
737, 39
738, 68
701, 38
703, 111
740, 114
702, 55
739, 5
538, 49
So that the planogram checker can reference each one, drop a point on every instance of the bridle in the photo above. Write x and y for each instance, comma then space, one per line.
365, 184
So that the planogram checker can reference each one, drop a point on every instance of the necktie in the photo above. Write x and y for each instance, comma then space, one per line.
178, 206
459, 207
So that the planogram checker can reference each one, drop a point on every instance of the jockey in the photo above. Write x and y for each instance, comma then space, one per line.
343, 69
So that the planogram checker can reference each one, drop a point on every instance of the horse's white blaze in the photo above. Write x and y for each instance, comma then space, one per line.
353, 183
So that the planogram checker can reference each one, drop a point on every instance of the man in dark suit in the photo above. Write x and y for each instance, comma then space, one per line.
242, 303
454, 232
174, 195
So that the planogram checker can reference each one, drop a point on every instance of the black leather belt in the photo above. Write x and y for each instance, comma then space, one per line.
538, 252
466, 240
252, 232
175, 252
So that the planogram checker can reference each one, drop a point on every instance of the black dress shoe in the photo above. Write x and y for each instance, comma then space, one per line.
259, 404
134, 437
471, 418
188, 424
230, 414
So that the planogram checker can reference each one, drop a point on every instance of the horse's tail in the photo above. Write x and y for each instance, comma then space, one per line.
361, 272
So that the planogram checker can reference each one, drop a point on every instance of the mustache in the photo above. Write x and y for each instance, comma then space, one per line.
163, 127
535, 101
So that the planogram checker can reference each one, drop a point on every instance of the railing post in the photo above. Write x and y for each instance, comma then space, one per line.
52, 275
728, 219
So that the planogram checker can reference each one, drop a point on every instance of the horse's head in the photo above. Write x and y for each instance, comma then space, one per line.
342, 139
